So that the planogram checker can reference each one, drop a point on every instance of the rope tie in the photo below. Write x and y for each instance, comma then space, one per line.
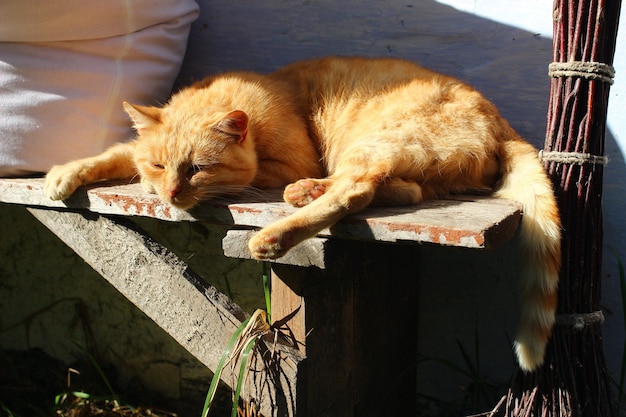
579, 321
582, 69
572, 158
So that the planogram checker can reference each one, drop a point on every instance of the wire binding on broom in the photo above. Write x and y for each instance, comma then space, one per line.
579, 321
582, 69
573, 158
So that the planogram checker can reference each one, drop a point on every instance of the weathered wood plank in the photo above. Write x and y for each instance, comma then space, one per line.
311, 252
474, 222
356, 322
195, 314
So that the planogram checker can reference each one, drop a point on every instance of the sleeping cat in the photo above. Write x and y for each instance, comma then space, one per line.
341, 134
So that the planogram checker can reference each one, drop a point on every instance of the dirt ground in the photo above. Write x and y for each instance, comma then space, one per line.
33, 384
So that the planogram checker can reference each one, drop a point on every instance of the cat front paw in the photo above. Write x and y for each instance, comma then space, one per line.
265, 245
61, 182
303, 192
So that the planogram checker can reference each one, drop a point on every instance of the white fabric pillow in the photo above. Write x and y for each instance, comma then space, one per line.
67, 65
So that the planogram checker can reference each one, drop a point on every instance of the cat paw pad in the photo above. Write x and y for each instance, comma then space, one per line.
266, 246
303, 192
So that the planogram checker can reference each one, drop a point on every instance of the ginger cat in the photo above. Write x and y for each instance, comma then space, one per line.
343, 133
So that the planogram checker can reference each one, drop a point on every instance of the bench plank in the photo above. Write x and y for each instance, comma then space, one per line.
466, 221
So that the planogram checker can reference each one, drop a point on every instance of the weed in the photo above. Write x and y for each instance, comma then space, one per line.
479, 392
239, 347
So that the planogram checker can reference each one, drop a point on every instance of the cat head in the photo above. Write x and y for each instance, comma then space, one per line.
186, 155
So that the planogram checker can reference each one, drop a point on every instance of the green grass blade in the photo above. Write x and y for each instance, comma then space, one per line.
98, 369
242, 373
4, 408
220, 366
103, 376
82, 395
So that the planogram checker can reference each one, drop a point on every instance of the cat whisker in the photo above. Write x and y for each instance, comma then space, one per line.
195, 166
254, 192
133, 178
224, 192
216, 191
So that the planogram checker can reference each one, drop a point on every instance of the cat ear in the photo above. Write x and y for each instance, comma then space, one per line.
143, 117
235, 124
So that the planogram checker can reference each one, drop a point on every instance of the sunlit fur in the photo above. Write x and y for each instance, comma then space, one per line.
344, 133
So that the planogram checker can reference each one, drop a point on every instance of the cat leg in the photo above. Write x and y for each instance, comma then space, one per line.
115, 163
344, 197
397, 192
303, 192
392, 192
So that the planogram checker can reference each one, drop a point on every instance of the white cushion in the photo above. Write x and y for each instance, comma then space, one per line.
67, 65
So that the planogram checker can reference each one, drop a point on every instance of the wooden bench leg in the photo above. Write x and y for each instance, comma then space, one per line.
356, 323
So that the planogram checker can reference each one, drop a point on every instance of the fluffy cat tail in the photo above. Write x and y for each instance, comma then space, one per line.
524, 180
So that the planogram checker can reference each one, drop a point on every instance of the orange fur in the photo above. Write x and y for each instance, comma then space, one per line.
344, 133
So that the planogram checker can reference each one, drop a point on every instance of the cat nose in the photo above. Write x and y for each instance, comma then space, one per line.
174, 191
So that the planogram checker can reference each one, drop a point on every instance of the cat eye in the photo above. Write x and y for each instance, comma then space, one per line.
156, 165
193, 169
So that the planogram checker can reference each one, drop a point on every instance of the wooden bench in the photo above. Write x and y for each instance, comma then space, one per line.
346, 298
